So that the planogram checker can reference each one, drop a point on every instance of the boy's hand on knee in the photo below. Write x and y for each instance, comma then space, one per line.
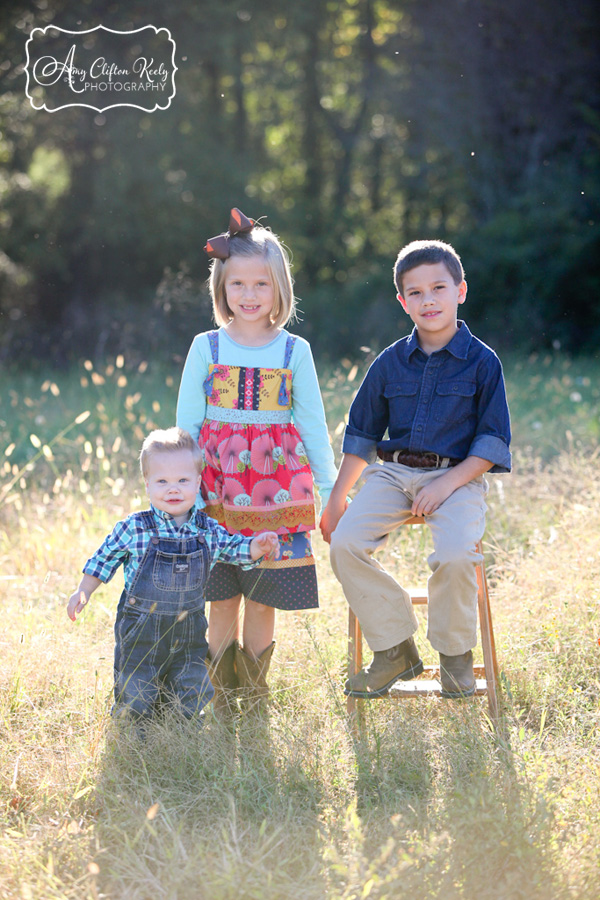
431, 497
433, 494
265, 544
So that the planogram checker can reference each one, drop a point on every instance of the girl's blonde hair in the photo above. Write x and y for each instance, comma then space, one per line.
258, 242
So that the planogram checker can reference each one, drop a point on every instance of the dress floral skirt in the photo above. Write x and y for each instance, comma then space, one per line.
256, 477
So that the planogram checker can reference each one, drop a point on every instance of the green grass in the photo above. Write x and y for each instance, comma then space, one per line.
430, 801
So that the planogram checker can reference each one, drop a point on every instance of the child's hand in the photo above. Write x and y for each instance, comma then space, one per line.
431, 497
265, 544
81, 596
332, 514
77, 601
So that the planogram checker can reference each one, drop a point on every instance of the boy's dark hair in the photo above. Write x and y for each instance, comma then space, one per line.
420, 253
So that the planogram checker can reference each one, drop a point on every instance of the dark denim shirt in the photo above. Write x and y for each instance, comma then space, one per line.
452, 402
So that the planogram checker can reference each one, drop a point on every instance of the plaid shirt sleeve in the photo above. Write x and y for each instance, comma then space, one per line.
114, 552
228, 548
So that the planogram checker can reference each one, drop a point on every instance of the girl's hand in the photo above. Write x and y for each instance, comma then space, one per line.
77, 601
265, 544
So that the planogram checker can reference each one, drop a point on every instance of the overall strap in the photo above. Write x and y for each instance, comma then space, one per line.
146, 517
201, 520
283, 398
213, 341
289, 347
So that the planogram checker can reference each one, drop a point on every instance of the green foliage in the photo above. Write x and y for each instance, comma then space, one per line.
351, 127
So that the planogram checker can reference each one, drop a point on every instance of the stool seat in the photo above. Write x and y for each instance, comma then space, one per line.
428, 684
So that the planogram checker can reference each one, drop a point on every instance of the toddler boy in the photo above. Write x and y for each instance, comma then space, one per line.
167, 552
439, 393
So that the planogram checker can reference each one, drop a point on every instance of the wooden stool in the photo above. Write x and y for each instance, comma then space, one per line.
486, 676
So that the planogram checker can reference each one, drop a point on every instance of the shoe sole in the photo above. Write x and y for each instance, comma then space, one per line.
407, 675
457, 695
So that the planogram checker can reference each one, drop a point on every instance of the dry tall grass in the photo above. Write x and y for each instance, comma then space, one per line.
431, 801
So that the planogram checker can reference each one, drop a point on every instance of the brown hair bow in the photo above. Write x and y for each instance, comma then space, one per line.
218, 247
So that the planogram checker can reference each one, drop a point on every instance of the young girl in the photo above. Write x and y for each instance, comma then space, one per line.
249, 394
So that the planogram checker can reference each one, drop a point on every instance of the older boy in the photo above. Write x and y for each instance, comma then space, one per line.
167, 552
440, 395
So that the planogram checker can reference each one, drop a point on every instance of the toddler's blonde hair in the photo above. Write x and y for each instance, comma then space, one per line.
168, 440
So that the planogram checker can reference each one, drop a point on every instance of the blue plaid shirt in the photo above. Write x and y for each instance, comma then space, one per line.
127, 543
452, 402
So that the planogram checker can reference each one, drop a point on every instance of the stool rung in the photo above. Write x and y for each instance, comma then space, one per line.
421, 686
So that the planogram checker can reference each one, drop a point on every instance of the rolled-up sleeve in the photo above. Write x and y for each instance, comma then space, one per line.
369, 416
113, 552
492, 437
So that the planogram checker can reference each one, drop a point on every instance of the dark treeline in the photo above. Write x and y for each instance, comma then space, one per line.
351, 126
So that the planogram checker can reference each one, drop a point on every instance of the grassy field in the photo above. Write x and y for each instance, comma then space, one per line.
431, 801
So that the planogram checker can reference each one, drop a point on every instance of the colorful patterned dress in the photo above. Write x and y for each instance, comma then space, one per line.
256, 477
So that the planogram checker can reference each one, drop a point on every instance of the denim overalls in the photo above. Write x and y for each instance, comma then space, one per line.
160, 629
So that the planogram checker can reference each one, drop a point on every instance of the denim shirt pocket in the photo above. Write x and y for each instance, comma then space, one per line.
177, 572
455, 401
402, 397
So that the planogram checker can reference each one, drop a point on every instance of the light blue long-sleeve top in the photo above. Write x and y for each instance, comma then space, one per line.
308, 413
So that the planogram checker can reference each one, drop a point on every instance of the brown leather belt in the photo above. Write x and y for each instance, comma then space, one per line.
418, 460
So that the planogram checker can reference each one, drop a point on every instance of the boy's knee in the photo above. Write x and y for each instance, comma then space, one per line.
455, 558
345, 545
339, 545
335, 542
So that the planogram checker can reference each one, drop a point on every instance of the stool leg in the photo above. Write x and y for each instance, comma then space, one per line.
487, 638
354, 665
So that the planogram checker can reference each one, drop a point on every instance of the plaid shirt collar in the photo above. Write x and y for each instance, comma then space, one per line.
167, 519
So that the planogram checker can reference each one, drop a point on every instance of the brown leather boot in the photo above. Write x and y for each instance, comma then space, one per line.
252, 679
225, 682
388, 666
456, 674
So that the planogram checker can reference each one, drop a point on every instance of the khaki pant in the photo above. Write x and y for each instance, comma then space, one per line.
381, 605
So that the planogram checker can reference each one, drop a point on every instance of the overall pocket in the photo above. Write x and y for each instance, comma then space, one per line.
180, 572
130, 626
